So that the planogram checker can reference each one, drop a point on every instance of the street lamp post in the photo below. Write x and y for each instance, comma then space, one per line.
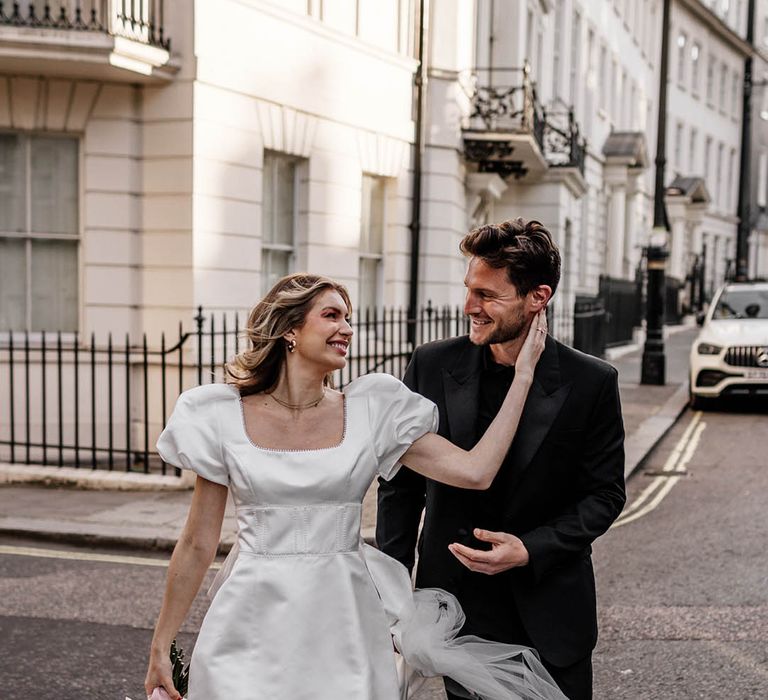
742, 235
654, 365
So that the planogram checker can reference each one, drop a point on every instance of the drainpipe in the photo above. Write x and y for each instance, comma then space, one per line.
420, 93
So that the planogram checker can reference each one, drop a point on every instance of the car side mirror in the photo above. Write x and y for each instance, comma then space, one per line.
700, 318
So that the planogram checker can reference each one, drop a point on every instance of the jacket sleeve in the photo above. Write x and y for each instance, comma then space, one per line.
600, 480
401, 501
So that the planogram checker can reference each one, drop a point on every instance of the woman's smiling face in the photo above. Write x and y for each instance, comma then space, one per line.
324, 337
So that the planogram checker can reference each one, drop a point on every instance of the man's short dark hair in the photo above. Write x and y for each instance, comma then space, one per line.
525, 249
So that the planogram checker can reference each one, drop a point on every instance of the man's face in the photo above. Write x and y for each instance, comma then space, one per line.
498, 313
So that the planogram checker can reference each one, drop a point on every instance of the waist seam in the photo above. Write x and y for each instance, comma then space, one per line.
284, 555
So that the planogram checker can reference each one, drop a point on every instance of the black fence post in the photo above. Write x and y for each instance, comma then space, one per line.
93, 401
110, 399
199, 320
59, 396
12, 389
127, 403
43, 398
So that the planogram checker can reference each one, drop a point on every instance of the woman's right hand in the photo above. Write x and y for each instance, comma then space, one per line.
159, 676
533, 345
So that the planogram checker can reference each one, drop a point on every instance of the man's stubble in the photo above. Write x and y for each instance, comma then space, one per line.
507, 330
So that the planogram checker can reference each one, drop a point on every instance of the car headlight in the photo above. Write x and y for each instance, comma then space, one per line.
708, 349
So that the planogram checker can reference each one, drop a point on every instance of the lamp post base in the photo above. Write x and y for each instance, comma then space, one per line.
654, 367
653, 370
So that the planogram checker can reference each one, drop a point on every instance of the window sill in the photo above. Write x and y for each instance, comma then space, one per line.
34, 340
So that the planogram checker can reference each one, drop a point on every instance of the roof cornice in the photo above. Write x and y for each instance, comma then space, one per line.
718, 27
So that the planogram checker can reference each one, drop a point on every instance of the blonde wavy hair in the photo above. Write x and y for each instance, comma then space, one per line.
284, 307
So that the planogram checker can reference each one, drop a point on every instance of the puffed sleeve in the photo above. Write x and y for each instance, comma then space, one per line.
191, 437
398, 418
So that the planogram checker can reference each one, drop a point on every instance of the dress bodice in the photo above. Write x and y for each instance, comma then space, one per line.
297, 501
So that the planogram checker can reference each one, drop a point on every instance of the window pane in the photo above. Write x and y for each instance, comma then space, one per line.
369, 284
12, 179
285, 202
372, 215
278, 206
274, 265
54, 285
54, 185
13, 284
365, 214
267, 200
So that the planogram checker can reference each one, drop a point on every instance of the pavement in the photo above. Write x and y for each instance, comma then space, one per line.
153, 519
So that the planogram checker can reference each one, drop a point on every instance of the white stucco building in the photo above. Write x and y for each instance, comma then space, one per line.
142, 180
180, 154
704, 135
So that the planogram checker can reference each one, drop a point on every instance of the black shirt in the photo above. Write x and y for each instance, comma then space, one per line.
478, 588
495, 381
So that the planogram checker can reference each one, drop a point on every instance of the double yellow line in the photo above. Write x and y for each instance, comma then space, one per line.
676, 465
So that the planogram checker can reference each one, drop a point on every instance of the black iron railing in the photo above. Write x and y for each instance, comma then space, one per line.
673, 306
71, 401
563, 146
623, 309
504, 101
141, 21
695, 281
589, 325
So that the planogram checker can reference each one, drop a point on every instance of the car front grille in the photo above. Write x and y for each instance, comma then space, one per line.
747, 356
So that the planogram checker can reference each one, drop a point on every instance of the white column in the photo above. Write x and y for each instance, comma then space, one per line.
631, 256
677, 212
677, 245
617, 208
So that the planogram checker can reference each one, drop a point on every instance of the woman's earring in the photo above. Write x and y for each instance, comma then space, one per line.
291, 344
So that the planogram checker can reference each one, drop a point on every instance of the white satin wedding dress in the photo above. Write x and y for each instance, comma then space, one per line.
304, 610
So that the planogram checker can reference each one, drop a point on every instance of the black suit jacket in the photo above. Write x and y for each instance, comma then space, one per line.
562, 485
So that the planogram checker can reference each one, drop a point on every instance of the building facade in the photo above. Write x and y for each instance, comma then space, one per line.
178, 155
143, 180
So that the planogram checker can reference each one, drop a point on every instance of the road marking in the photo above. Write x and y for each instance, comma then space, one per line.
669, 466
677, 462
87, 556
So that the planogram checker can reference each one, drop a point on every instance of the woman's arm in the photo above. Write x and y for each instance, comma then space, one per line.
191, 558
441, 460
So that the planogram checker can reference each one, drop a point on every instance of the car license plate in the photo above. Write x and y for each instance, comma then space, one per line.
756, 374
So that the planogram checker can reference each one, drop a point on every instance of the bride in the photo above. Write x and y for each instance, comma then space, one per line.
304, 609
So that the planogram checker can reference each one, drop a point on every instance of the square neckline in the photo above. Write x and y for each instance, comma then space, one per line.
290, 450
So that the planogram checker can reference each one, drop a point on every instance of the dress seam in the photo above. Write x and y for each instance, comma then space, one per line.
284, 555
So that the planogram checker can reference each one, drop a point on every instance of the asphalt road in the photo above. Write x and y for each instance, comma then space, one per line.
683, 587
74, 629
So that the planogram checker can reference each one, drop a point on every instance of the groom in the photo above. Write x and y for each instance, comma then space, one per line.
517, 556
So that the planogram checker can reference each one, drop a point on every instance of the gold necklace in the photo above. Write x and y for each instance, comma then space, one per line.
299, 406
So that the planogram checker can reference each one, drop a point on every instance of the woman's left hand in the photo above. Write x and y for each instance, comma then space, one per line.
533, 345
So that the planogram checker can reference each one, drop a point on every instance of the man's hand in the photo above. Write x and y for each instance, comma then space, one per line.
507, 552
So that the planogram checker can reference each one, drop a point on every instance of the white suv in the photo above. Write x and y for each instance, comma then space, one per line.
730, 355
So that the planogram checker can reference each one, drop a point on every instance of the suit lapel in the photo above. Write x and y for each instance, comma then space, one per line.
545, 400
461, 384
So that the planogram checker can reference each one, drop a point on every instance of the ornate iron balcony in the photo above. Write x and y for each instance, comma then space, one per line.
510, 133
563, 145
140, 21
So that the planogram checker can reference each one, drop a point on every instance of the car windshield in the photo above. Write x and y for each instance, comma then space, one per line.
742, 303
